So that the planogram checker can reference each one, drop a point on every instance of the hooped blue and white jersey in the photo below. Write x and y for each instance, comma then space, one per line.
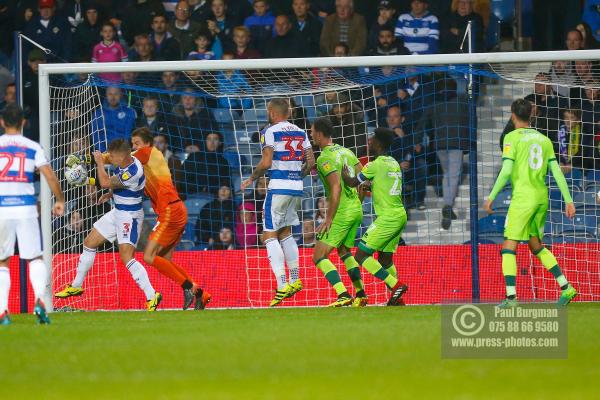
134, 180
19, 157
289, 143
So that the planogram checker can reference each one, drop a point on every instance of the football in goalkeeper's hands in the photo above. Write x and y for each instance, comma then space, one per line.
75, 172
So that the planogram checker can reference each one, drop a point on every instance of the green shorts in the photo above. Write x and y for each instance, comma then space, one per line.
525, 221
343, 229
384, 233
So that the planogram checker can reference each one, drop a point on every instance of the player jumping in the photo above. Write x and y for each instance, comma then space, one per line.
383, 235
123, 223
285, 148
344, 214
172, 218
19, 157
527, 155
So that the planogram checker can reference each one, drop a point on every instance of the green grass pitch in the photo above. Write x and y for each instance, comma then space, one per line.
372, 353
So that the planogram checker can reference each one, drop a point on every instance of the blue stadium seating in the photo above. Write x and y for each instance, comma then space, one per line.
148, 210
502, 201
492, 224
234, 159
256, 115
582, 224
196, 201
223, 115
189, 234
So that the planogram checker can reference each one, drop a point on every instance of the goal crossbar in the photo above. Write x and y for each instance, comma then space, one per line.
321, 62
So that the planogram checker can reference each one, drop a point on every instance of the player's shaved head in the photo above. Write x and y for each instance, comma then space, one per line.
144, 133
521, 109
120, 146
12, 116
280, 107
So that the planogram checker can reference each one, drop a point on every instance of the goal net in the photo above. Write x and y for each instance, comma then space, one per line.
207, 121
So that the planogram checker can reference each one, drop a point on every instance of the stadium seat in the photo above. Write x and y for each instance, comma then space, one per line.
583, 224
580, 237
196, 201
229, 138
148, 210
189, 233
256, 115
492, 224
234, 159
556, 200
223, 115
186, 245
502, 201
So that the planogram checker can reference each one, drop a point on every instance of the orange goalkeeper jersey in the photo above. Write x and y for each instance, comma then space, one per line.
159, 185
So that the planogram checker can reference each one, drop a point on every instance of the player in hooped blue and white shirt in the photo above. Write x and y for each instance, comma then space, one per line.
19, 158
288, 157
123, 222
419, 29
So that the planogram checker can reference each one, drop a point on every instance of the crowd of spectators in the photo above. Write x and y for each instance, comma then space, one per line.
426, 111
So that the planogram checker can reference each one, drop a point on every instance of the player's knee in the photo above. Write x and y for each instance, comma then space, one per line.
149, 258
361, 256
535, 246
125, 257
88, 242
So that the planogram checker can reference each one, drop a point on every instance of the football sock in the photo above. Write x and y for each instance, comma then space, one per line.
4, 288
332, 275
353, 272
373, 266
140, 276
168, 269
391, 269
275, 253
182, 271
549, 262
86, 261
290, 251
509, 270
38, 276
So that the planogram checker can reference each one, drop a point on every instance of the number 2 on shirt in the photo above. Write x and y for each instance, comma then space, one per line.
288, 146
10, 158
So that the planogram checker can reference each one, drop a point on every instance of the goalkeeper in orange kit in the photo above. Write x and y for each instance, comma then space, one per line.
172, 218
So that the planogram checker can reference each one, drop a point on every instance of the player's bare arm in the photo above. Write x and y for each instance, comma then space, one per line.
106, 182
309, 162
262, 167
335, 190
59, 204
351, 181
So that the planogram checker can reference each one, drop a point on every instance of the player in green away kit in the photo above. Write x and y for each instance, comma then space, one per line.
383, 235
527, 155
344, 215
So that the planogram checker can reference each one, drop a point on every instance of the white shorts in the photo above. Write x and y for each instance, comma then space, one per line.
124, 226
280, 211
26, 231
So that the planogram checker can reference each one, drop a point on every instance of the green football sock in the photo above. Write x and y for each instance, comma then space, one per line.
549, 262
373, 266
509, 270
391, 269
331, 274
353, 272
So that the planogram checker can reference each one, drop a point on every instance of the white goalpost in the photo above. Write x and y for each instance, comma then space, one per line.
366, 88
